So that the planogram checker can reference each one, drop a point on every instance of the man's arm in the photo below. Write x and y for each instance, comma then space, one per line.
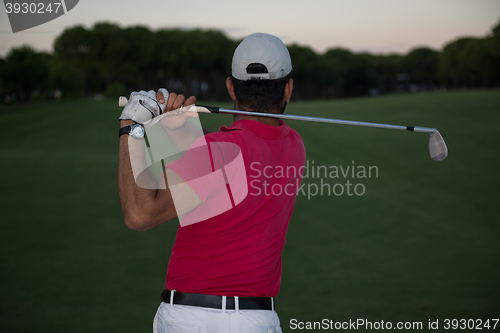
140, 206
145, 208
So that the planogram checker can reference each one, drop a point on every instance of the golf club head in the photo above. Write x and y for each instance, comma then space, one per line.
437, 146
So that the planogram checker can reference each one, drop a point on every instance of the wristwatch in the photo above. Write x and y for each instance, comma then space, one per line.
135, 130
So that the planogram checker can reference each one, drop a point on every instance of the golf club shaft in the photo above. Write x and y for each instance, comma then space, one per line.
322, 120
437, 147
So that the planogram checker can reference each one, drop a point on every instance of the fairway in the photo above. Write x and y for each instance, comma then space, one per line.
421, 243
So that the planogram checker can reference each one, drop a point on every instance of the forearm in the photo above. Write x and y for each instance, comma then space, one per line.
145, 202
140, 205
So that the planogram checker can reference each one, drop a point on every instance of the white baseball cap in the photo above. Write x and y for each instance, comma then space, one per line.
264, 49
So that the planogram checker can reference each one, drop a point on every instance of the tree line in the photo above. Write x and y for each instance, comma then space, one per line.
111, 60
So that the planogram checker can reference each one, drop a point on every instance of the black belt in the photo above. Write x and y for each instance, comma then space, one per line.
215, 302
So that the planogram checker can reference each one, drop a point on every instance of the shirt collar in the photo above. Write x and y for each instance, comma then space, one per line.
259, 129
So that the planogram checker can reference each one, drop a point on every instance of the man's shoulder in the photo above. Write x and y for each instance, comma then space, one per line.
295, 135
294, 132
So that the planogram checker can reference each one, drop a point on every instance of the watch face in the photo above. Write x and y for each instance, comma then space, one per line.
137, 131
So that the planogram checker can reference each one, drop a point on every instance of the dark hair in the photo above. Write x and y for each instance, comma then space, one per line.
261, 95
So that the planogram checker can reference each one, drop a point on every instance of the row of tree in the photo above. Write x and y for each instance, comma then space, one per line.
113, 60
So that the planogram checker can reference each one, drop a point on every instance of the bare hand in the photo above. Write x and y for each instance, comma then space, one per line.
178, 116
175, 101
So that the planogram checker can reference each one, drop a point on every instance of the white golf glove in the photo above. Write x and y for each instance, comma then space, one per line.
143, 106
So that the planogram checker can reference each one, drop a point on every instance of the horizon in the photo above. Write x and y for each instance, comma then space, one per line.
387, 27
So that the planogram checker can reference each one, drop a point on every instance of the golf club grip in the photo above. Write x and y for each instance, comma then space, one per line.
122, 101
212, 109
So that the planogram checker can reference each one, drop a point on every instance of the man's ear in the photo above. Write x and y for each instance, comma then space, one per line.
288, 90
230, 88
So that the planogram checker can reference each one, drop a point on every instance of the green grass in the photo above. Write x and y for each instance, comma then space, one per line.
422, 243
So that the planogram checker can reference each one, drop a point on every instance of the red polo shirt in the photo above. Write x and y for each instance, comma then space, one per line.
237, 251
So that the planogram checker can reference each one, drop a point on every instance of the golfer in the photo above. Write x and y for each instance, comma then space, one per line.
225, 267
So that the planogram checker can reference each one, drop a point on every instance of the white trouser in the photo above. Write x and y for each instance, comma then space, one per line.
182, 319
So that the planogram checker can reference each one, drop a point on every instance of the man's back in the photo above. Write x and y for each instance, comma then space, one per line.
238, 252
233, 192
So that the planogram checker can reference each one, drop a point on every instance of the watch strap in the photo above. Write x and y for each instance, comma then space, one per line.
125, 130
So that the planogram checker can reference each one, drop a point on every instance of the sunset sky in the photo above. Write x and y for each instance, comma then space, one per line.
377, 26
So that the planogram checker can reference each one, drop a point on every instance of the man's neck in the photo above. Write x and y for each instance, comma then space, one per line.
264, 120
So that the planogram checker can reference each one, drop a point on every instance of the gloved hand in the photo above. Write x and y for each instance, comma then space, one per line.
143, 106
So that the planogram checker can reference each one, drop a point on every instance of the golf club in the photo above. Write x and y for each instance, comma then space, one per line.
437, 147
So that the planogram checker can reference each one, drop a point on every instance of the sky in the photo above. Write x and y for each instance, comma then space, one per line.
376, 26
